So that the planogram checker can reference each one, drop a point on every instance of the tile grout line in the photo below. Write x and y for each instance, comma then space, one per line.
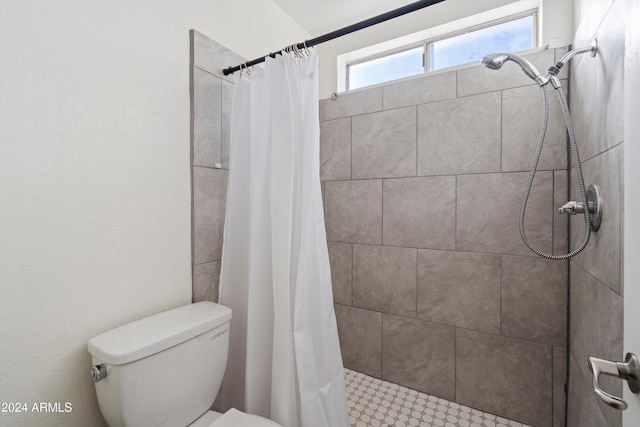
417, 148
455, 363
351, 285
455, 212
553, 214
501, 285
382, 345
382, 212
351, 148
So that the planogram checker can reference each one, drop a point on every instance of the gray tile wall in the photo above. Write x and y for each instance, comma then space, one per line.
423, 181
428, 273
211, 94
596, 301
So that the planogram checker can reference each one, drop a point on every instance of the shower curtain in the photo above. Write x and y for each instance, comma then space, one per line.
284, 354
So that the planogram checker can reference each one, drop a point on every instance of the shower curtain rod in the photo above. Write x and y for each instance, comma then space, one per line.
341, 32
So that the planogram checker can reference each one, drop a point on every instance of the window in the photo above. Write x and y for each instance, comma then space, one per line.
512, 35
389, 67
508, 37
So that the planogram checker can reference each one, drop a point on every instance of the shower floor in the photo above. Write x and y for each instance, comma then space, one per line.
377, 403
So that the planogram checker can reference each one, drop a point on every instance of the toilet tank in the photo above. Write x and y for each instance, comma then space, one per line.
163, 370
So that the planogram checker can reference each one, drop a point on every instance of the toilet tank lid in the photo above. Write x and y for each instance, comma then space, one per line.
156, 333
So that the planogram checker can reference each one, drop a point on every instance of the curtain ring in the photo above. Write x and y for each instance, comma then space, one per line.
245, 69
306, 48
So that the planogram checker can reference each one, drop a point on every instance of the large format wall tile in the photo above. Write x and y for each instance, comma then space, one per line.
335, 149
560, 221
340, 257
418, 212
206, 278
211, 98
583, 322
521, 122
419, 90
584, 112
559, 381
353, 211
489, 208
592, 13
622, 204
459, 135
601, 257
596, 329
354, 103
384, 144
420, 355
211, 56
534, 299
360, 334
384, 279
460, 289
227, 104
582, 408
559, 52
504, 376
452, 255
207, 118
597, 105
597, 87
610, 76
209, 201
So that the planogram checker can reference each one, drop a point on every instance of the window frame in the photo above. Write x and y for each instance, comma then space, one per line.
384, 55
426, 42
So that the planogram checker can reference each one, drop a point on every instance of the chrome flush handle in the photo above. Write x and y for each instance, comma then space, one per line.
628, 370
98, 372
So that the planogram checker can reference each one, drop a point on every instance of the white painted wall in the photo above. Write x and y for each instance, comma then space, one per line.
94, 177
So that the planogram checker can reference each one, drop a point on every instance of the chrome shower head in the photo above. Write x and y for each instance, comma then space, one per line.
496, 61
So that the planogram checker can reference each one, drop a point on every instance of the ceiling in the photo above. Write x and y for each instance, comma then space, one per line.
319, 17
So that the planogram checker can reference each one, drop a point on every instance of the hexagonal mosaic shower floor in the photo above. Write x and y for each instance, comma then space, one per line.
376, 403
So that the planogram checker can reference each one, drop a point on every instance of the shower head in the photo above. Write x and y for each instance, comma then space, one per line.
496, 61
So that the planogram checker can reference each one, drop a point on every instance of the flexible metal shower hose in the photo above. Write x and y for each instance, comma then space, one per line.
576, 160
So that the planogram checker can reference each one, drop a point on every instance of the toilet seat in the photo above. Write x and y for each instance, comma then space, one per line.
235, 418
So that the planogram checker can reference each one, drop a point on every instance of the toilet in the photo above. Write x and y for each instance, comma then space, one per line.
166, 370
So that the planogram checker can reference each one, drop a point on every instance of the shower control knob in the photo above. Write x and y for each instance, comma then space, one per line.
594, 205
571, 208
98, 372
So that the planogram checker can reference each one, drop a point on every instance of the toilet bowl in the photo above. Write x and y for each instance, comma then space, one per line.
165, 370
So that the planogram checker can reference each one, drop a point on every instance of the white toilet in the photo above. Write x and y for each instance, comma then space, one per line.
166, 370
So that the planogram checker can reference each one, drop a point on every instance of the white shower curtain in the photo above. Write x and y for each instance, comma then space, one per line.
284, 356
